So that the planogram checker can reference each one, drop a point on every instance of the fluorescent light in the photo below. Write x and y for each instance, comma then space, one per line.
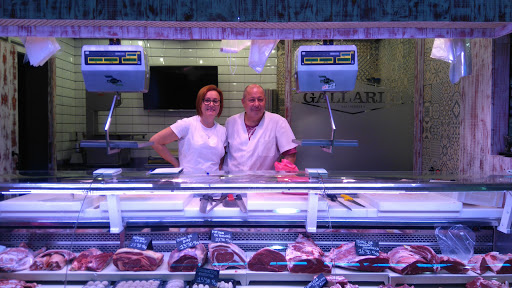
286, 210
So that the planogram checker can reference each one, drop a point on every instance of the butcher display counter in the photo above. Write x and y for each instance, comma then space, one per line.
353, 228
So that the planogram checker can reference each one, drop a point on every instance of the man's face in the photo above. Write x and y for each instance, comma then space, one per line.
254, 102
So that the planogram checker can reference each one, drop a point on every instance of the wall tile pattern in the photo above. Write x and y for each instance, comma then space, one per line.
441, 123
130, 117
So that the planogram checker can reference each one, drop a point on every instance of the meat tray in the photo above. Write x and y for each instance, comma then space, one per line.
97, 284
139, 283
226, 281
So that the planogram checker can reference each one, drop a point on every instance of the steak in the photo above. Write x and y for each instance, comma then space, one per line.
224, 255
187, 260
345, 256
336, 280
269, 260
11, 283
499, 263
479, 282
478, 264
129, 259
453, 265
52, 260
304, 256
16, 259
92, 260
413, 259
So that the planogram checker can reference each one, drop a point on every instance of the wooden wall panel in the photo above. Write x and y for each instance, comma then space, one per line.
264, 10
500, 93
476, 126
345, 11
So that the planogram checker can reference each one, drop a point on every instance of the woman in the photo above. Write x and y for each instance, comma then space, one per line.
202, 141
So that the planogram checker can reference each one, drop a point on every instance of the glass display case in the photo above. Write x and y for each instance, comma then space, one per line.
78, 210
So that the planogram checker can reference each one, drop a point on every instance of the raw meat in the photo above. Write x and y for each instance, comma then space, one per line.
349, 285
5, 283
224, 255
454, 266
304, 256
92, 260
128, 259
345, 256
336, 280
479, 282
499, 263
413, 259
336, 286
187, 260
16, 259
478, 264
268, 260
52, 260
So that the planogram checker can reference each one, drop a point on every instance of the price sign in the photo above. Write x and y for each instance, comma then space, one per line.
318, 282
367, 248
205, 276
141, 243
189, 241
219, 236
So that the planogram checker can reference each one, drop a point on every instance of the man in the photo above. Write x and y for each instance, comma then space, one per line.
256, 138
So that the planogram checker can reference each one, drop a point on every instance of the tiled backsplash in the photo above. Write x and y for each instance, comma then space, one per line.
130, 117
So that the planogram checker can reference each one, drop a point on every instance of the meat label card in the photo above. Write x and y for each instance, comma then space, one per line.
367, 248
141, 243
318, 282
206, 276
189, 241
219, 236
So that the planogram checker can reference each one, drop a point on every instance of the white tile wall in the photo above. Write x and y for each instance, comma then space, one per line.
130, 117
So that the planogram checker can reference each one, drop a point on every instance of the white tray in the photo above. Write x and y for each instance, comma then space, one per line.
416, 202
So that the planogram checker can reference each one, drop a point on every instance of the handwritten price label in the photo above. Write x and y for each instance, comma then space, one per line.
206, 276
189, 241
219, 236
318, 282
141, 243
367, 248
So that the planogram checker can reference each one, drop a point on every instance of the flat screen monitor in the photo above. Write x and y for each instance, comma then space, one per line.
176, 87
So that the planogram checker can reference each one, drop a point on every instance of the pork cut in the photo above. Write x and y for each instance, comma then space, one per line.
478, 264
480, 282
52, 260
345, 256
336, 280
224, 255
92, 260
413, 259
129, 259
499, 263
17, 259
304, 256
269, 260
12, 283
453, 265
187, 260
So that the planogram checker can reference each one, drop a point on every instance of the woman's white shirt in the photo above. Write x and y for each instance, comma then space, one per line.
200, 148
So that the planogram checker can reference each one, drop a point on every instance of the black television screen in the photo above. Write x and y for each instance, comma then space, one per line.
176, 87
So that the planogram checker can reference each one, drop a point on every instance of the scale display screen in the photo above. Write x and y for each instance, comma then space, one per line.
328, 57
112, 58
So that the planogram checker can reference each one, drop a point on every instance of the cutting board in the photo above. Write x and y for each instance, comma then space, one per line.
151, 202
411, 202
49, 202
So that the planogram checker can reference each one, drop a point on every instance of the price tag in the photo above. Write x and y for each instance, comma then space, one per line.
141, 243
206, 276
189, 241
367, 248
318, 282
219, 236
